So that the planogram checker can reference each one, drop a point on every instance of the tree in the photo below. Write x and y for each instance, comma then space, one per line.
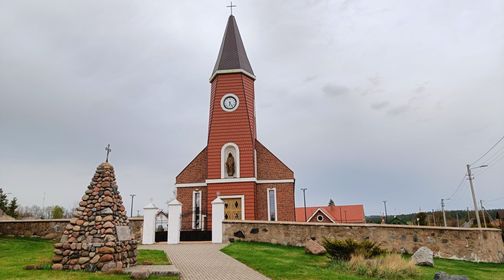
331, 202
57, 212
422, 218
3, 201
11, 209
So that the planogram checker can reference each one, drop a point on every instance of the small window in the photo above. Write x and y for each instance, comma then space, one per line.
272, 208
320, 218
197, 210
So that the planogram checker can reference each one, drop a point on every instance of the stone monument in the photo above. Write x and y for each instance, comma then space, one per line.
98, 236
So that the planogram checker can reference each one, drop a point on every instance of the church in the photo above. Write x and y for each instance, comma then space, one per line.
235, 166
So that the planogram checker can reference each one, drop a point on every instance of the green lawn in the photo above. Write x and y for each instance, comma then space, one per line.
283, 262
149, 257
16, 253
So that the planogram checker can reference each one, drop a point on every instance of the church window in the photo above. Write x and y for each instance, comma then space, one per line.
230, 161
272, 205
197, 210
320, 218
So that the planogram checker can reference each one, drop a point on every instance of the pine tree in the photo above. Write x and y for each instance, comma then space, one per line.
331, 202
11, 209
3, 201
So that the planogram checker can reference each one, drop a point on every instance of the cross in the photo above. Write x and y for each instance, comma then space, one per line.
231, 6
108, 149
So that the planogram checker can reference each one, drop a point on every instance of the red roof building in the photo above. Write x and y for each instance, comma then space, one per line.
234, 165
344, 214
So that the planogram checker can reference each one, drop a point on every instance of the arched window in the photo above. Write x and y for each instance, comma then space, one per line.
230, 161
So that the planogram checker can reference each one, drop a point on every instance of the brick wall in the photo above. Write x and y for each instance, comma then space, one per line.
269, 167
53, 228
451, 243
185, 196
285, 201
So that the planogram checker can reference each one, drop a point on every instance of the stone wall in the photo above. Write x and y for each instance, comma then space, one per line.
53, 228
451, 243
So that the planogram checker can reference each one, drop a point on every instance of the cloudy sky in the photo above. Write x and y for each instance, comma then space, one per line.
365, 100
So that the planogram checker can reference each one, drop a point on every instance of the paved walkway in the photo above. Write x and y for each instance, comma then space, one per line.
205, 261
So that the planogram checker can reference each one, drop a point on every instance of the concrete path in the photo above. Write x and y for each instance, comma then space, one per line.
204, 261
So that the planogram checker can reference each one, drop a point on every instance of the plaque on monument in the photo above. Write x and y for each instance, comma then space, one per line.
123, 233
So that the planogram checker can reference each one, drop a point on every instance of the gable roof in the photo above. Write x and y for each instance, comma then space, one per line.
232, 55
339, 214
269, 167
195, 171
321, 211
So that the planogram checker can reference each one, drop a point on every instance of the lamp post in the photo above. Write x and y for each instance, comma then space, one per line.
131, 209
304, 203
472, 191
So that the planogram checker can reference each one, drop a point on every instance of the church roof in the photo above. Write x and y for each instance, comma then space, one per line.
232, 56
352, 214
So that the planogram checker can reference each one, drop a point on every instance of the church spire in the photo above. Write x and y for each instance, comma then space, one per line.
232, 56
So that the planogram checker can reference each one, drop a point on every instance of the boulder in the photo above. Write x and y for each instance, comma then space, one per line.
423, 257
57, 266
142, 274
109, 267
312, 247
445, 276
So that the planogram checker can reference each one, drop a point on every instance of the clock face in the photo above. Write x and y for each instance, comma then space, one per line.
229, 102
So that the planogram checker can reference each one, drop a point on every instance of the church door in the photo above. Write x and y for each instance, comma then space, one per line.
232, 208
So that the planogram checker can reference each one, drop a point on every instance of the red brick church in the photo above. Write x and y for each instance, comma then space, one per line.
234, 165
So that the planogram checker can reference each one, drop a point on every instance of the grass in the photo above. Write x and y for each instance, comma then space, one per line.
149, 257
16, 253
284, 262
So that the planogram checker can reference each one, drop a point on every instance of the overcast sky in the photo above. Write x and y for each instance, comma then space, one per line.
365, 100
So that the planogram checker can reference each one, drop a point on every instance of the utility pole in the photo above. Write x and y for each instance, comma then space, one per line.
476, 211
386, 216
458, 223
304, 203
131, 209
434, 217
483, 211
442, 209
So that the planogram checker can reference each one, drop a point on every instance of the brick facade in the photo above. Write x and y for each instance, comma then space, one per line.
195, 171
185, 196
269, 167
285, 201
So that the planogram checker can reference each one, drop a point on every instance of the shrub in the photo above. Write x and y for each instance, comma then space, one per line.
344, 249
385, 267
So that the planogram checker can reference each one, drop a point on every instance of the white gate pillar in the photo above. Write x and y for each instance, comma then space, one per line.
149, 224
217, 218
174, 221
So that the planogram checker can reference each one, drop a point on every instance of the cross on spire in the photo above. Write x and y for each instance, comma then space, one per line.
108, 149
231, 6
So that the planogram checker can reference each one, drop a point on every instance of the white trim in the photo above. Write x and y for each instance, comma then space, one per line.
242, 202
275, 181
255, 163
226, 96
233, 180
276, 202
323, 212
194, 208
237, 161
190, 185
230, 71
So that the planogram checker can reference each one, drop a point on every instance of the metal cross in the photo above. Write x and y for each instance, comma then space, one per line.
231, 6
108, 149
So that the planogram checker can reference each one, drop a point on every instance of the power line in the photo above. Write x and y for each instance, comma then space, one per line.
502, 138
458, 187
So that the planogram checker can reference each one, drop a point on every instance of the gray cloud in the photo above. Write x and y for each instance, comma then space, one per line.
75, 76
335, 90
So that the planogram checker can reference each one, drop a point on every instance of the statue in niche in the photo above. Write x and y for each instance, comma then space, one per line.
230, 165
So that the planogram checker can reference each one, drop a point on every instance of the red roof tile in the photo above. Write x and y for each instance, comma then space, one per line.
340, 214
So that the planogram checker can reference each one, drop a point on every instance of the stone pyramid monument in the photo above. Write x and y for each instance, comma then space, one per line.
98, 236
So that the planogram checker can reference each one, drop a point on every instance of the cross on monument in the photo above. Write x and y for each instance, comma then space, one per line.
231, 6
108, 149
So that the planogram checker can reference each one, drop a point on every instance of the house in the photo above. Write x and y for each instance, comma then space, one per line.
343, 214
234, 165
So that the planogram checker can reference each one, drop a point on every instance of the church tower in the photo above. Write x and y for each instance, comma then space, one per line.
254, 183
